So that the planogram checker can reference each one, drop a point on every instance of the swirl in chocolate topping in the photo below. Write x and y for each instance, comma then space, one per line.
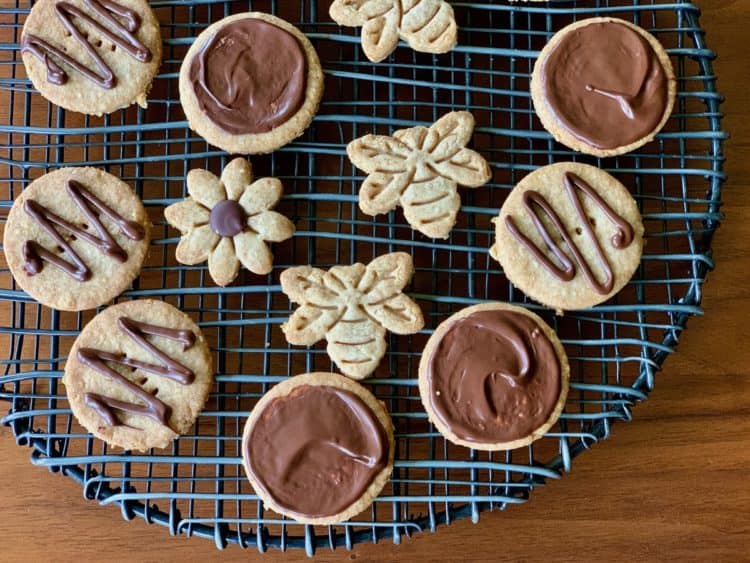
250, 77
534, 202
34, 254
316, 450
152, 407
113, 28
494, 377
605, 85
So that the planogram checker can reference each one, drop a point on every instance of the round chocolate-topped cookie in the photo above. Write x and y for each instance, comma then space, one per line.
92, 56
493, 377
251, 83
76, 238
603, 86
318, 448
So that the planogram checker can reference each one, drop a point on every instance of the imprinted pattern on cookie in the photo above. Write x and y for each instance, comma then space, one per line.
352, 307
420, 169
428, 26
228, 220
121, 34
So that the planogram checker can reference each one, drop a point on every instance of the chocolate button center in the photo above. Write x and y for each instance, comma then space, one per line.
228, 218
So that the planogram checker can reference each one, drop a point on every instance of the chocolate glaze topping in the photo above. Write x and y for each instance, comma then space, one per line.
228, 218
153, 408
35, 255
250, 77
113, 28
605, 85
317, 450
494, 377
534, 202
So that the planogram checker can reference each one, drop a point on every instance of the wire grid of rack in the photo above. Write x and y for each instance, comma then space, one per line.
197, 486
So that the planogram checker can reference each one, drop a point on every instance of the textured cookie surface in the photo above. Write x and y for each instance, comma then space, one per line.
92, 56
352, 307
603, 86
428, 26
318, 448
228, 221
493, 376
139, 374
76, 238
569, 236
420, 169
272, 93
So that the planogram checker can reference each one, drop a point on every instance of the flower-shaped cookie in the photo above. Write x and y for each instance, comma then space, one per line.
351, 307
420, 169
228, 221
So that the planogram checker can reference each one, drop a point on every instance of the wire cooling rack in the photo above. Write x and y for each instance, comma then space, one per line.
197, 486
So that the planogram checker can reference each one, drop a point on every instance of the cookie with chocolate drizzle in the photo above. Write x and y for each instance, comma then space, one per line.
569, 235
139, 374
76, 238
92, 56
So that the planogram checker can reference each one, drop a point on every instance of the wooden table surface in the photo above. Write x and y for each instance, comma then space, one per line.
671, 485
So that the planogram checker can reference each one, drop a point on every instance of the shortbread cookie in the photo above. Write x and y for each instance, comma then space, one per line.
420, 169
428, 26
138, 375
352, 307
76, 238
318, 448
603, 86
493, 377
228, 220
92, 56
569, 235
268, 97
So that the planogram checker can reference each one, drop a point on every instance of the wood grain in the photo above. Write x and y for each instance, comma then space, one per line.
671, 485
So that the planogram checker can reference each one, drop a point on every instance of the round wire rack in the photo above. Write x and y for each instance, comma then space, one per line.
197, 487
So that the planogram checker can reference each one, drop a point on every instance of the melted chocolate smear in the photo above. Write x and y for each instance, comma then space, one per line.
494, 377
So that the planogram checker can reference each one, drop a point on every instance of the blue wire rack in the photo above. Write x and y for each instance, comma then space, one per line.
197, 487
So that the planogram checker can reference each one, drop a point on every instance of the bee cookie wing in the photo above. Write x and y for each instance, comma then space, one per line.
429, 26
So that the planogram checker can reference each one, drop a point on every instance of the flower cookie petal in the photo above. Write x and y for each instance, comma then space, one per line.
271, 226
253, 253
223, 264
186, 214
196, 245
205, 188
236, 177
261, 195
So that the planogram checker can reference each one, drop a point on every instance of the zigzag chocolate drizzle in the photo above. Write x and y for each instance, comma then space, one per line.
622, 238
119, 33
154, 408
35, 255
